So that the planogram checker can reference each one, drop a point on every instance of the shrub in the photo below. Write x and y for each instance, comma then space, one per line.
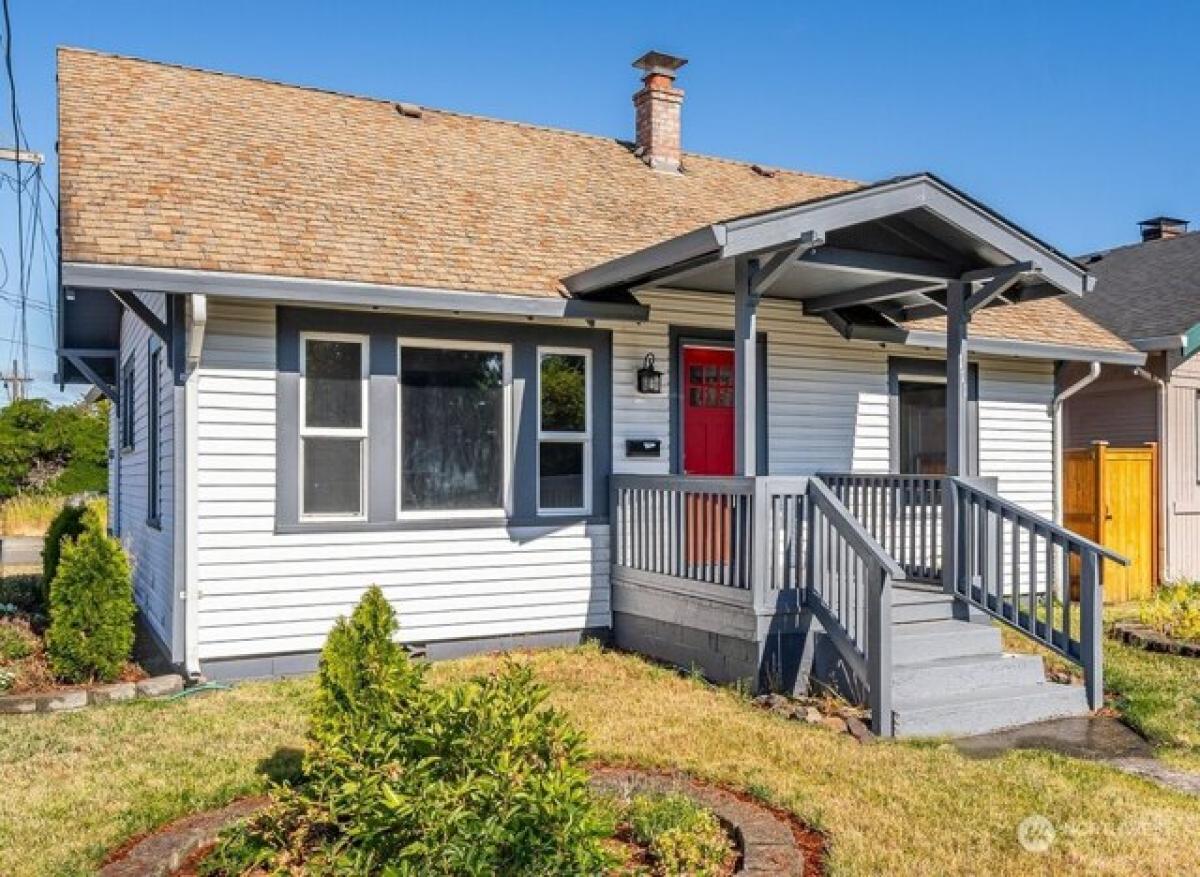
17, 641
67, 524
91, 607
404, 779
29, 514
1174, 610
683, 838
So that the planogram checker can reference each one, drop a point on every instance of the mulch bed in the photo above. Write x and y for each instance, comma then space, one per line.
770, 840
1151, 640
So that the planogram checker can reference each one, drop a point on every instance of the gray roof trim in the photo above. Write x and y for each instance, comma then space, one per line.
1160, 342
998, 346
773, 229
338, 292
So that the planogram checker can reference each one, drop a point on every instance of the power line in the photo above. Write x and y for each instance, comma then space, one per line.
16, 386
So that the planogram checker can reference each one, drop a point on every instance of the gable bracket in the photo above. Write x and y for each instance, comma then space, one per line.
765, 274
992, 287
143, 313
90, 373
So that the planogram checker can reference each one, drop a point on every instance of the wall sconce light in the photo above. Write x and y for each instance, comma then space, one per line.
649, 378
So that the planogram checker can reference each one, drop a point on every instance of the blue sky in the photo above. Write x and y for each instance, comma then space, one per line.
1074, 119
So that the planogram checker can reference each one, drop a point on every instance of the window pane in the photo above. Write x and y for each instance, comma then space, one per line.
452, 429
922, 429
564, 393
333, 384
560, 469
332, 476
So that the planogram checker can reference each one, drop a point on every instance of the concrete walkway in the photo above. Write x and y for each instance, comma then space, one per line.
1093, 738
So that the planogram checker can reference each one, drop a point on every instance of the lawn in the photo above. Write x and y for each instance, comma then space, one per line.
77, 784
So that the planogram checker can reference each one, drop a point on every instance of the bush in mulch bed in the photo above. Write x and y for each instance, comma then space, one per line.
83, 631
402, 778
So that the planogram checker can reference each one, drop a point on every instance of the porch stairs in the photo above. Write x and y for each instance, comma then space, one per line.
951, 677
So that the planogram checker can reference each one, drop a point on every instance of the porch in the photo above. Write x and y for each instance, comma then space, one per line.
886, 584
774, 581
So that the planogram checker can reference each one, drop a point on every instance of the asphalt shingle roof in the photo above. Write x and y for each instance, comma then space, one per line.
172, 167
1146, 290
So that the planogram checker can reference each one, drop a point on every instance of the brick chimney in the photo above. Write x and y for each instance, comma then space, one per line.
1161, 228
658, 107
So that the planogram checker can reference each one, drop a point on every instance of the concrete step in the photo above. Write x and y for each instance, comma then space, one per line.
912, 682
925, 641
978, 712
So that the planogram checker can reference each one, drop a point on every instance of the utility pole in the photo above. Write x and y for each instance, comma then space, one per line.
15, 381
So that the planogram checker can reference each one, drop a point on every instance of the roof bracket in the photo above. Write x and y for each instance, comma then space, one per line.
1000, 281
143, 313
765, 275
90, 373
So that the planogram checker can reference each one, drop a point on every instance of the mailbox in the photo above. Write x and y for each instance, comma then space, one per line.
643, 447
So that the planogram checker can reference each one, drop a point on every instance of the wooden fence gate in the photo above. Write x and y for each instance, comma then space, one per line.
1110, 495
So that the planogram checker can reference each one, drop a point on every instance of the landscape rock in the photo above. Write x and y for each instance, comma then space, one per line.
160, 686
74, 699
859, 731
834, 723
114, 693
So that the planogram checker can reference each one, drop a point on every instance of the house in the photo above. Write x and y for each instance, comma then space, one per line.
1149, 295
538, 384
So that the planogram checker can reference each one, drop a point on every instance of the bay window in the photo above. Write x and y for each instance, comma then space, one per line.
333, 425
454, 428
564, 455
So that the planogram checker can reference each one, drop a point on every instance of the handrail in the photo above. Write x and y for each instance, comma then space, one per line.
1043, 523
850, 586
1029, 573
854, 529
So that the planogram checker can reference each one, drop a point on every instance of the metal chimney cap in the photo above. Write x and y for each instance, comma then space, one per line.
659, 62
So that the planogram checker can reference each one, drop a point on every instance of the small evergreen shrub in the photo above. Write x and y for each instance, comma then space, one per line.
683, 838
67, 524
403, 779
91, 607
17, 642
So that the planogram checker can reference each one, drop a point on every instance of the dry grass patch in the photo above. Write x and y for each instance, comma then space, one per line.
76, 785
29, 514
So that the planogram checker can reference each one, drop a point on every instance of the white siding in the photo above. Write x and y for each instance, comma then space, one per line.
263, 592
828, 399
151, 548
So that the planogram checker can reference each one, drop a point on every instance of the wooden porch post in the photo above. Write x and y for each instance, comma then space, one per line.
957, 449
745, 364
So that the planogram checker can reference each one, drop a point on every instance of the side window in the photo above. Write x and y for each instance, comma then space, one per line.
128, 404
333, 426
153, 437
564, 468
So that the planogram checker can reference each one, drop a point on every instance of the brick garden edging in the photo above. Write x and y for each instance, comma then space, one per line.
90, 695
1152, 641
767, 843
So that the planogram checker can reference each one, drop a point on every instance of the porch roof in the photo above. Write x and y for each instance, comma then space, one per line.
875, 264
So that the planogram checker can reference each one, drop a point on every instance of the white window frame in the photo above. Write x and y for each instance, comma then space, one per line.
573, 438
360, 432
498, 513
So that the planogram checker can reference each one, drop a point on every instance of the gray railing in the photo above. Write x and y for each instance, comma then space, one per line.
771, 544
903, 513
851, 595
1030, 573
696, 529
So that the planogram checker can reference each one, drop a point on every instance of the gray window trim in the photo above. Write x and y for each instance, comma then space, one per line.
902, 368
680, 337
383, 413
154, 433
127, 402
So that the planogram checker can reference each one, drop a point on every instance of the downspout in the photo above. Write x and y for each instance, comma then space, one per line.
1059, 398
197, 322
1164, 551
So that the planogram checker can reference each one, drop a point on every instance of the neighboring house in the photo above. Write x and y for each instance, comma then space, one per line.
1149, 294
538, 384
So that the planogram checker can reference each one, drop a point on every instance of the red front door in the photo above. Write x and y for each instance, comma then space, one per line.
707, 411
